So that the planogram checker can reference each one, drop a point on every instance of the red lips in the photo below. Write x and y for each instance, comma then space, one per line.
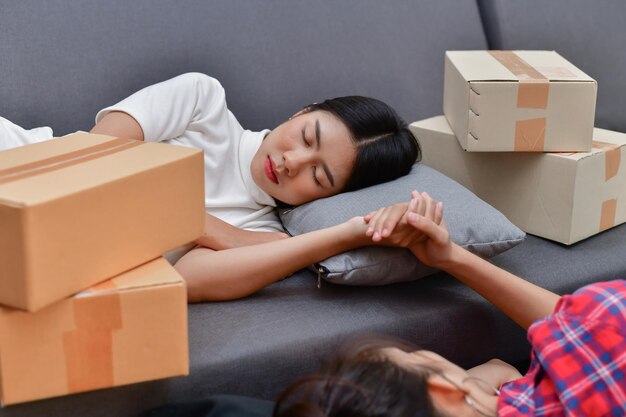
270, 170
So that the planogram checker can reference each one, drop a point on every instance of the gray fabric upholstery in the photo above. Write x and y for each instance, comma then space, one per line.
67, 60
62, 61
589, 34
257, 345
280, 333
473, 224
218, 406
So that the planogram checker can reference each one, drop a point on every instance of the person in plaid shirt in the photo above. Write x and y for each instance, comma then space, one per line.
578, 358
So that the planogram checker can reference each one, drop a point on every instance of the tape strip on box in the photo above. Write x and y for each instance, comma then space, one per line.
534, 87
612, 158
71, 158
530, 134
532, 92
88, 348
607, 214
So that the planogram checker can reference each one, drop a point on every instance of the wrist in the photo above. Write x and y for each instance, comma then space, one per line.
456, 260
351, 234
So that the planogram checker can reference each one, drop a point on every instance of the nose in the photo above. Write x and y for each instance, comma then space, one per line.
295, 160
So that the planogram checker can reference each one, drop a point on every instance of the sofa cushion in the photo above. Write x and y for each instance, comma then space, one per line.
63, 61
217, 406
591, 35
258, 345
473, 224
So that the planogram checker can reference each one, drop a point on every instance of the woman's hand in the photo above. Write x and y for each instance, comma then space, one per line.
435, 249
417, 226
386, 221
389, 226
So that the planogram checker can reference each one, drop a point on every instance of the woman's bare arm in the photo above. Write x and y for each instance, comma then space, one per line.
521, 300
219, 235
118, 124
234, 273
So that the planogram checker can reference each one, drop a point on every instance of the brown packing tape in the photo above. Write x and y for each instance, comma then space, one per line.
533, 94
62, 161
534, 87
88, 348
607, 214
612, 158
530, 135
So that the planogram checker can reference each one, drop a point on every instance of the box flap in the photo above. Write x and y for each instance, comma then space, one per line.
155, 273
481, 66
22, 155
77, 162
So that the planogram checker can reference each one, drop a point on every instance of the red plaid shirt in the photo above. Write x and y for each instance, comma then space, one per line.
578, 361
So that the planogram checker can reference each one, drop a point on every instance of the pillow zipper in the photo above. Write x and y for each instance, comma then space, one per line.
321, 271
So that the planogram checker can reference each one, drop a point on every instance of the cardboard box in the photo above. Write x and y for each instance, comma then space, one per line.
564, 197
129, 329
523, 101
77, 210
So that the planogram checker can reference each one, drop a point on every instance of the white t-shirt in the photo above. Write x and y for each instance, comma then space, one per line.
190, 110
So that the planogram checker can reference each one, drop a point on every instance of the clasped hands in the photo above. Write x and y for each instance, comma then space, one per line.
417, 225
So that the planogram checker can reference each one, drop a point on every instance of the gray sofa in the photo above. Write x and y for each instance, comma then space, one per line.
62, 61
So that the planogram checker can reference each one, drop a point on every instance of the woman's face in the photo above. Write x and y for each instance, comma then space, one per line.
308, 157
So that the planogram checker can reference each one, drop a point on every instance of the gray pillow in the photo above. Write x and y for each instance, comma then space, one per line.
473, 224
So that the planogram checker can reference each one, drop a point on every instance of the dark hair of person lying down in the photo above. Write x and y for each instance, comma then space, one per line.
386, 149
359, 382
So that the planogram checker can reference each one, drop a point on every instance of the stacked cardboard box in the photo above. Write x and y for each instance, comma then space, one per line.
518, 132
85, 210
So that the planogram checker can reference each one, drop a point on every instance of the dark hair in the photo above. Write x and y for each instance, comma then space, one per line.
360, 382
386, 149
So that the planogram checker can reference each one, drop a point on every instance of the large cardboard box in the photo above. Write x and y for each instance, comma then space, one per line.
524, 101
564, 197
129, 329
77, 210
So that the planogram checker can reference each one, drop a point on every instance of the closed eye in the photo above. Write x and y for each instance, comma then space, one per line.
317, 181
304, 139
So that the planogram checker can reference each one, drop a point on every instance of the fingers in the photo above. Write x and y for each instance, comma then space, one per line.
429, 211
428, 207
384, 221
411, 209
437, 232
439, 213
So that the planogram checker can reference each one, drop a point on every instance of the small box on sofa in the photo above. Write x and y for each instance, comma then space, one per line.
523, 101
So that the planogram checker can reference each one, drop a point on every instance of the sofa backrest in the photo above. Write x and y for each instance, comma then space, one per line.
61, 61
590, 34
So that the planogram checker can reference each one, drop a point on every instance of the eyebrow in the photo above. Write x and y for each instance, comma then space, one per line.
318, 141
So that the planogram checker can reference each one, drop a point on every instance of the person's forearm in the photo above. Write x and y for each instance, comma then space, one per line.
521, 300
219, 235
238, 272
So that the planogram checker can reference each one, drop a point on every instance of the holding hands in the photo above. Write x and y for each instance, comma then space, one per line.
417, 225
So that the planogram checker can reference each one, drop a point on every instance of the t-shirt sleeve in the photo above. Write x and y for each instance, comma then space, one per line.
167, 109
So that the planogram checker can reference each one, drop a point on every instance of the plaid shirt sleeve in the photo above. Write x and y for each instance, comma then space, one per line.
578, 361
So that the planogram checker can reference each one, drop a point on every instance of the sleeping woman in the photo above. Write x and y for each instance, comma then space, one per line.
341, 144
